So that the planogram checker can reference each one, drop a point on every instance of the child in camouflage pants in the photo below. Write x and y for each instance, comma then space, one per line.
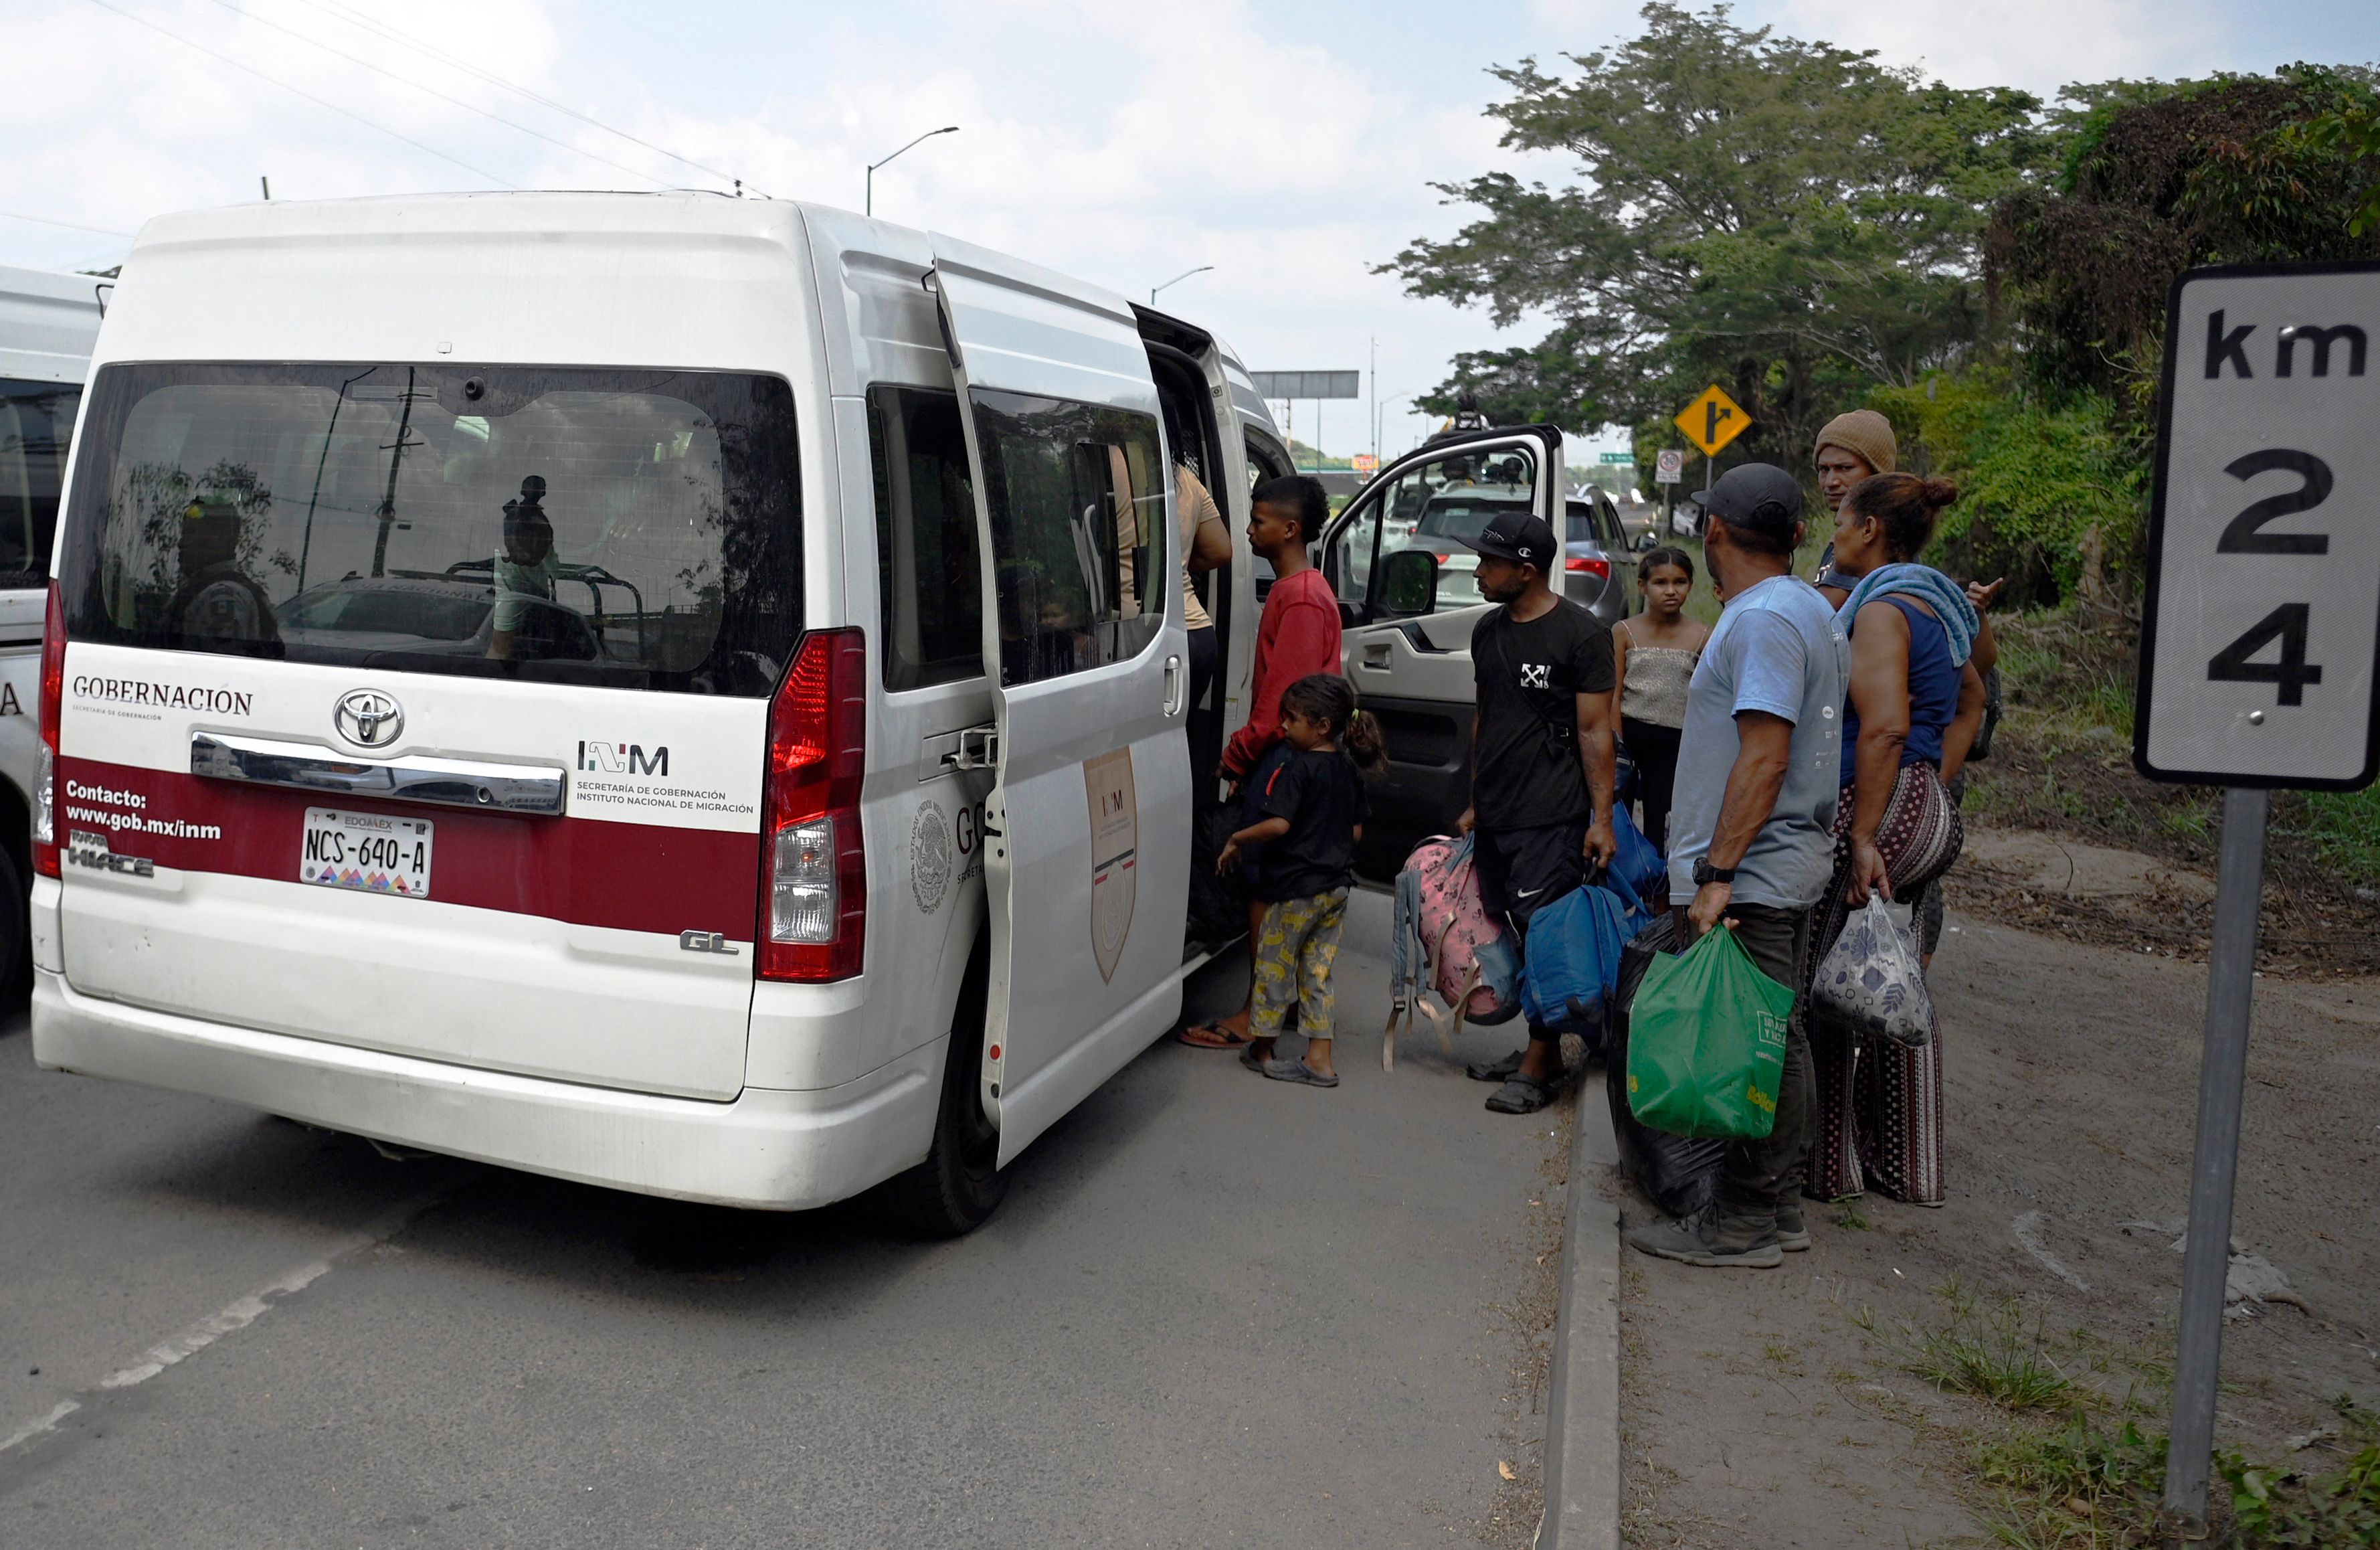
1313, 806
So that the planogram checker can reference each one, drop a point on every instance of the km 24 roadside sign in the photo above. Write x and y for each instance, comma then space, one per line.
2262, 621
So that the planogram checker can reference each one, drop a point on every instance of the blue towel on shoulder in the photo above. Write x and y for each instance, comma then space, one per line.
1945, 597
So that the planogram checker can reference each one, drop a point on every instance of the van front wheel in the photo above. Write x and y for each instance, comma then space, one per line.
959, 1184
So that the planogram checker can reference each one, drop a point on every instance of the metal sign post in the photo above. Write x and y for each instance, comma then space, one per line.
2215, 1165
2258, 641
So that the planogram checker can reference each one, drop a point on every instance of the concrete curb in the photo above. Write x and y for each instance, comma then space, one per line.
1582, 1466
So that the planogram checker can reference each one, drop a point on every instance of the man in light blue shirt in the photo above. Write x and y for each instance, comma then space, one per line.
1751, 829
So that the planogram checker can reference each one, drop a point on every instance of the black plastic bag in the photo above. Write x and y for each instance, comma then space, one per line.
1678, 1172
1219, 906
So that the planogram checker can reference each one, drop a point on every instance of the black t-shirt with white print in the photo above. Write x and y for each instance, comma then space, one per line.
1525, 768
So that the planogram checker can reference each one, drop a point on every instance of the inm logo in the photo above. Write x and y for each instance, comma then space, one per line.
609, 757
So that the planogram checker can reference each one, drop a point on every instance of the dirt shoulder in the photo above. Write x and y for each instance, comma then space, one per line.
1762, 1407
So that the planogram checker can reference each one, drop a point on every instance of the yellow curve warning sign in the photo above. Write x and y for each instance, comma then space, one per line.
1713, 419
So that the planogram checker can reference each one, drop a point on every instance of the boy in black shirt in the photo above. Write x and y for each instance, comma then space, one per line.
1312, 805
1541, 760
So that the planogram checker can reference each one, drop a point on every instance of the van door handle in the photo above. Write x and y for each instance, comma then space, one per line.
1376, 654
1177, 688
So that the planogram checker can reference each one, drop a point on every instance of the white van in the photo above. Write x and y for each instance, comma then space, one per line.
676, 693
48, 322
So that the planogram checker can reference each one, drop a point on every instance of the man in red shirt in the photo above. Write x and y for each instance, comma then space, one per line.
1298, 635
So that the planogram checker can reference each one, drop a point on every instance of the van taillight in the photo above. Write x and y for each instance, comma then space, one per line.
813, 869
45, 770
1593, 565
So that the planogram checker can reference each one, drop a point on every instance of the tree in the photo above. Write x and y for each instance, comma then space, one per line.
1789, 218
2157, 178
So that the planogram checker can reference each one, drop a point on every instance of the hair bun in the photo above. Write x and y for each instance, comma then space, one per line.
1938, 493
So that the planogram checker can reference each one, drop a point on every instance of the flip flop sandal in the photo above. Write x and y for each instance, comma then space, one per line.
1298, 1071
1249, 1058
1211, 1035
1495, 1070
1521, 1095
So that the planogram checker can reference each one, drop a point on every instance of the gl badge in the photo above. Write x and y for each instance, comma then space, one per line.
367, 717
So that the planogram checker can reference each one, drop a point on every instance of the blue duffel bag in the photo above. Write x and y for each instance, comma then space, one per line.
1637, 864
1573, 956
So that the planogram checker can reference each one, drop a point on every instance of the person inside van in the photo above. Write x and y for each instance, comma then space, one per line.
217, 607
1297, 637
1205, 545
1313, 809
525, 570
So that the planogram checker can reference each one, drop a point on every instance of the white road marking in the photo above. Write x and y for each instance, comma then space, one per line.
35, 1428
241, 1312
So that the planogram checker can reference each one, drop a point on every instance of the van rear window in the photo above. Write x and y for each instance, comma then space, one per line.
639, 529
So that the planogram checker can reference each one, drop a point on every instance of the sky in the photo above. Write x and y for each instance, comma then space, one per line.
1290, 146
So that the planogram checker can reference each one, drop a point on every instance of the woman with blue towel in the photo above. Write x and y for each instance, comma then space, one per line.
1915, 702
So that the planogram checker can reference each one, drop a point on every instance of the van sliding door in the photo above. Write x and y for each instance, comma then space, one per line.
1087, 827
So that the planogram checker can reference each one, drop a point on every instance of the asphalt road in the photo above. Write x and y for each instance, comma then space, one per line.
1214, 1310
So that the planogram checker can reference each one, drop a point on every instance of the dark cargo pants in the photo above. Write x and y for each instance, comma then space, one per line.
1755, 1176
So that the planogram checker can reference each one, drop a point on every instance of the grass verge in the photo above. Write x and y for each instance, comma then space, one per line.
2071, 1463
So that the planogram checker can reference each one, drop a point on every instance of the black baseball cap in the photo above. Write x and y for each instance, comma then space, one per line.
1520, 537
1738, 495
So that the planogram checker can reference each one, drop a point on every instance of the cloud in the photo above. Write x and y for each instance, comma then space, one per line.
1122, 143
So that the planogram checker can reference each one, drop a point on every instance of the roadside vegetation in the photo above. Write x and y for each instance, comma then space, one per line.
2071, 1458
1817, 231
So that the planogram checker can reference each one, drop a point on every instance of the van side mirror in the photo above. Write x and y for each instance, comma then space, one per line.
1409, 583
1647, 541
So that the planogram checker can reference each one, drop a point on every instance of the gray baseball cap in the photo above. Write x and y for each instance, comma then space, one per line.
1739, 494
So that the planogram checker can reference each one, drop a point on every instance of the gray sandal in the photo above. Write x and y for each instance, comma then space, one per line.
1521, 1095
1299, 1071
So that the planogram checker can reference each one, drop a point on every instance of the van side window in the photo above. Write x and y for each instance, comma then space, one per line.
1265, 462
36, 418
930, 577
1081, 540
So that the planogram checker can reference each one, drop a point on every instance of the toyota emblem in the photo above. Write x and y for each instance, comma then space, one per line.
367, 717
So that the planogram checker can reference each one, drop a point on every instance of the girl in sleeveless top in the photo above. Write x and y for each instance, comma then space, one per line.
1915, 702
1654, 656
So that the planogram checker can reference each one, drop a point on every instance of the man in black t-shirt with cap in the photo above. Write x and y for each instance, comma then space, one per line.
1541, 760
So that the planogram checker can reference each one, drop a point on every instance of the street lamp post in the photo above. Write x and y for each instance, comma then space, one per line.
1176, 280
871, 207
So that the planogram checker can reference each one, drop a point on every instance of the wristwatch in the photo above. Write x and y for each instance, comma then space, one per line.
1705, 872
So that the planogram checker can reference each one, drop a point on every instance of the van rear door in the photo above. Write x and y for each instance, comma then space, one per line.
424, 709
1087, 827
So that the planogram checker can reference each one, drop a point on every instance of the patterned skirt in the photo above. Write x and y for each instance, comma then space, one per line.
1879, 1118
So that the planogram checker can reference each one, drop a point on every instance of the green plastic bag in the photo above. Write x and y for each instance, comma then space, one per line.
1706, 1043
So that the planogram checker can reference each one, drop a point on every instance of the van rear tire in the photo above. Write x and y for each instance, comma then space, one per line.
16, 934
959, 1185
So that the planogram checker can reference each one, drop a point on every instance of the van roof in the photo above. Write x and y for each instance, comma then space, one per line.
49, 322
270, 280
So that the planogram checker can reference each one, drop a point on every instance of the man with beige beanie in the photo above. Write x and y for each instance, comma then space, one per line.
1851, 448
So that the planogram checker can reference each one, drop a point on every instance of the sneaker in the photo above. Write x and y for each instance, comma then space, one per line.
1521, 1095
1792, 1236
1495, 1070
1710, 1239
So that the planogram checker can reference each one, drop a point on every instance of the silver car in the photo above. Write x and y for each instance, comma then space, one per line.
1598, 564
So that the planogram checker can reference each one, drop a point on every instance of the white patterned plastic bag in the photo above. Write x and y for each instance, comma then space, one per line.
1873, 979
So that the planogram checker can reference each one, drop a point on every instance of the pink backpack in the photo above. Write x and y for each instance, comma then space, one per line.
1441, 937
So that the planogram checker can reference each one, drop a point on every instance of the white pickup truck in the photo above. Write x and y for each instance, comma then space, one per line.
48, 323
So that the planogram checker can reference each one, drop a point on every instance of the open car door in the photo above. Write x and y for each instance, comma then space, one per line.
1086, 855
1406, 645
